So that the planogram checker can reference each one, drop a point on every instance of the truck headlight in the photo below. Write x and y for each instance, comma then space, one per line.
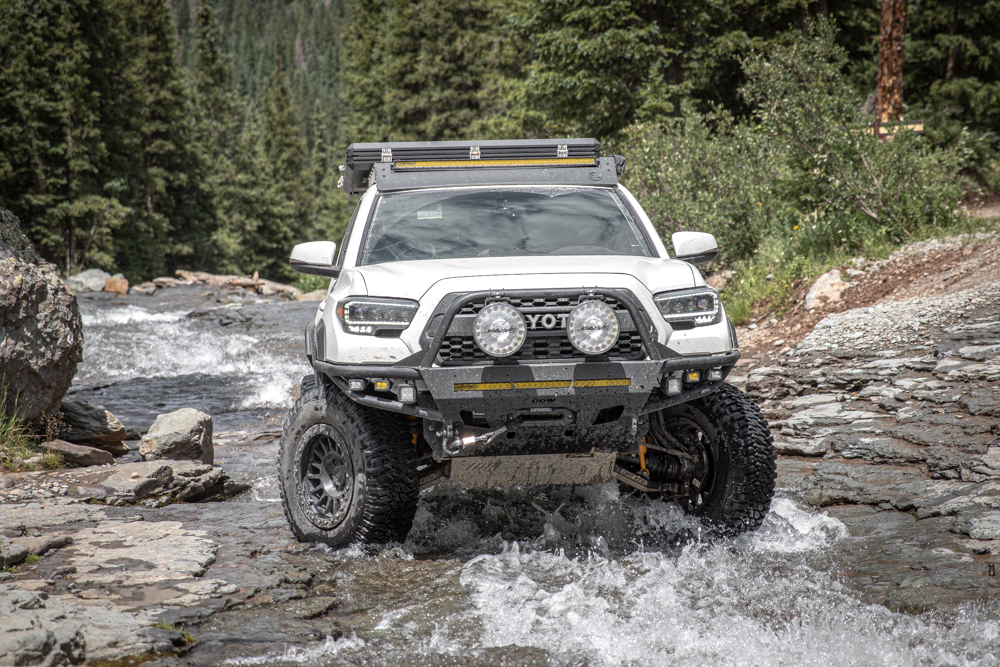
593, 327
500, 329
363, 315
700, 306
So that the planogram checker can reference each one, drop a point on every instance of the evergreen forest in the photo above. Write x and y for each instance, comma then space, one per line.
144, 136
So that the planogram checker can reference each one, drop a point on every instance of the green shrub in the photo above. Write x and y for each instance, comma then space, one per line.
307, 283
709, 174
799, 186
15, 445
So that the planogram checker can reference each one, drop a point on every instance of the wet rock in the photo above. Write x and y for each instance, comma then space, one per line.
313, 607
139, 480
39, 546
16, 519
185, 434
826, 290
91, 280
12, 553
36, 629
79, 455
88, 425
985, 527
116, 284
981, 402
166, 281
147, 288
13, 243
41, 334
801, 446
161, 551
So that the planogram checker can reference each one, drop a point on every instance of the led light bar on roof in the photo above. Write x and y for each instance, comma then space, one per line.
480, 163
480, 155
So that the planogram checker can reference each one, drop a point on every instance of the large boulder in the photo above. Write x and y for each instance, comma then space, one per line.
184, 435
78, 455
41, 335
91, 280
83, 424
827, 289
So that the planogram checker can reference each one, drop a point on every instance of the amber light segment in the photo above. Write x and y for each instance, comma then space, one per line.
551, 384
482, 386
620, 382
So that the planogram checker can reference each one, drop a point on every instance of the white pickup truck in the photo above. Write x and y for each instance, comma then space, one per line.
505, 313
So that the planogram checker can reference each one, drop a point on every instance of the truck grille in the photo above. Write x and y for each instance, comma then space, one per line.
566, 303
548, 347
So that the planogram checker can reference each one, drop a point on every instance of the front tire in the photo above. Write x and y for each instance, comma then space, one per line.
348, 473
736, 469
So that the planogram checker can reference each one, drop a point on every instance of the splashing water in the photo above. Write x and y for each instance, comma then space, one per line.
192, 361
636, 601
555, 575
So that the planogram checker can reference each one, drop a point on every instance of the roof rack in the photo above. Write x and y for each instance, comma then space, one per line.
438, 156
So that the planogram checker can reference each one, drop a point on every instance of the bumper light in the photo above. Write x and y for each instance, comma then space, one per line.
700, 306
593, 327
674, 386
500, 329
357, 385
714, 375
407, 393
692, 376
371, 316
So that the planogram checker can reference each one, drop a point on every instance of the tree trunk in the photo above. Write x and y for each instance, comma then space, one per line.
892, 38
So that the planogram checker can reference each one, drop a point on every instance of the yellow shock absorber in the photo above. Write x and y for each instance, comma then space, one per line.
642, 459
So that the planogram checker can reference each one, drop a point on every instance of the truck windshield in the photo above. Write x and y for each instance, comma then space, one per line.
501, 222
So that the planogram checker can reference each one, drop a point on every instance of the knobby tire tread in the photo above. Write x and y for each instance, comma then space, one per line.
753, 460
390, 465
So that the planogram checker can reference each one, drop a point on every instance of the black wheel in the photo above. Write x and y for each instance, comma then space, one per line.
724, 446
348, 473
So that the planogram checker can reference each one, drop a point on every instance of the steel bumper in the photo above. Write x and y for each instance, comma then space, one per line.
514, 386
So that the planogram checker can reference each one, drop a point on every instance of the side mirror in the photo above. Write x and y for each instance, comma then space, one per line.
315, 258
695, 247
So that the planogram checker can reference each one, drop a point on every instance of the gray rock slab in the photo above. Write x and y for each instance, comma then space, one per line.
38, 629
91, 280
78, 455
92, 426
41, 337
16, 519
185, 434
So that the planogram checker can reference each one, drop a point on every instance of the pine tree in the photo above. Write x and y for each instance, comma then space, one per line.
218, 116
168, 206
52, 173
287, 158
331, 205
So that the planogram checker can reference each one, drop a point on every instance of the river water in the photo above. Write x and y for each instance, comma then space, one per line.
550, 576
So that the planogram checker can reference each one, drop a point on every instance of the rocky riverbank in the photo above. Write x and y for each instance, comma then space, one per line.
879, 547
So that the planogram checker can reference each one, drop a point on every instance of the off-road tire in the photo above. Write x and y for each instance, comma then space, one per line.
379, 445
740, 444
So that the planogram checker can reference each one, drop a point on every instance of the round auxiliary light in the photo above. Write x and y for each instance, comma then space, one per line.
500, 330
593, 327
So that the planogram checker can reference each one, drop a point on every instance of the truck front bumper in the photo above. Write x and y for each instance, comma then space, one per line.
540, 408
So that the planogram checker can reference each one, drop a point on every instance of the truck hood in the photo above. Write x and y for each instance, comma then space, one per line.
411, 280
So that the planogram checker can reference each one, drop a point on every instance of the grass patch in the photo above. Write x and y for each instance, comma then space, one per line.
767, 282
306, 283
18, 449
32, 558
16, 446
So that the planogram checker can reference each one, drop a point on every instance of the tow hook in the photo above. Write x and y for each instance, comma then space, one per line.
484, 439
454, 443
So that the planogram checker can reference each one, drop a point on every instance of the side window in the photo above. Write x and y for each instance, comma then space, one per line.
347, 235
